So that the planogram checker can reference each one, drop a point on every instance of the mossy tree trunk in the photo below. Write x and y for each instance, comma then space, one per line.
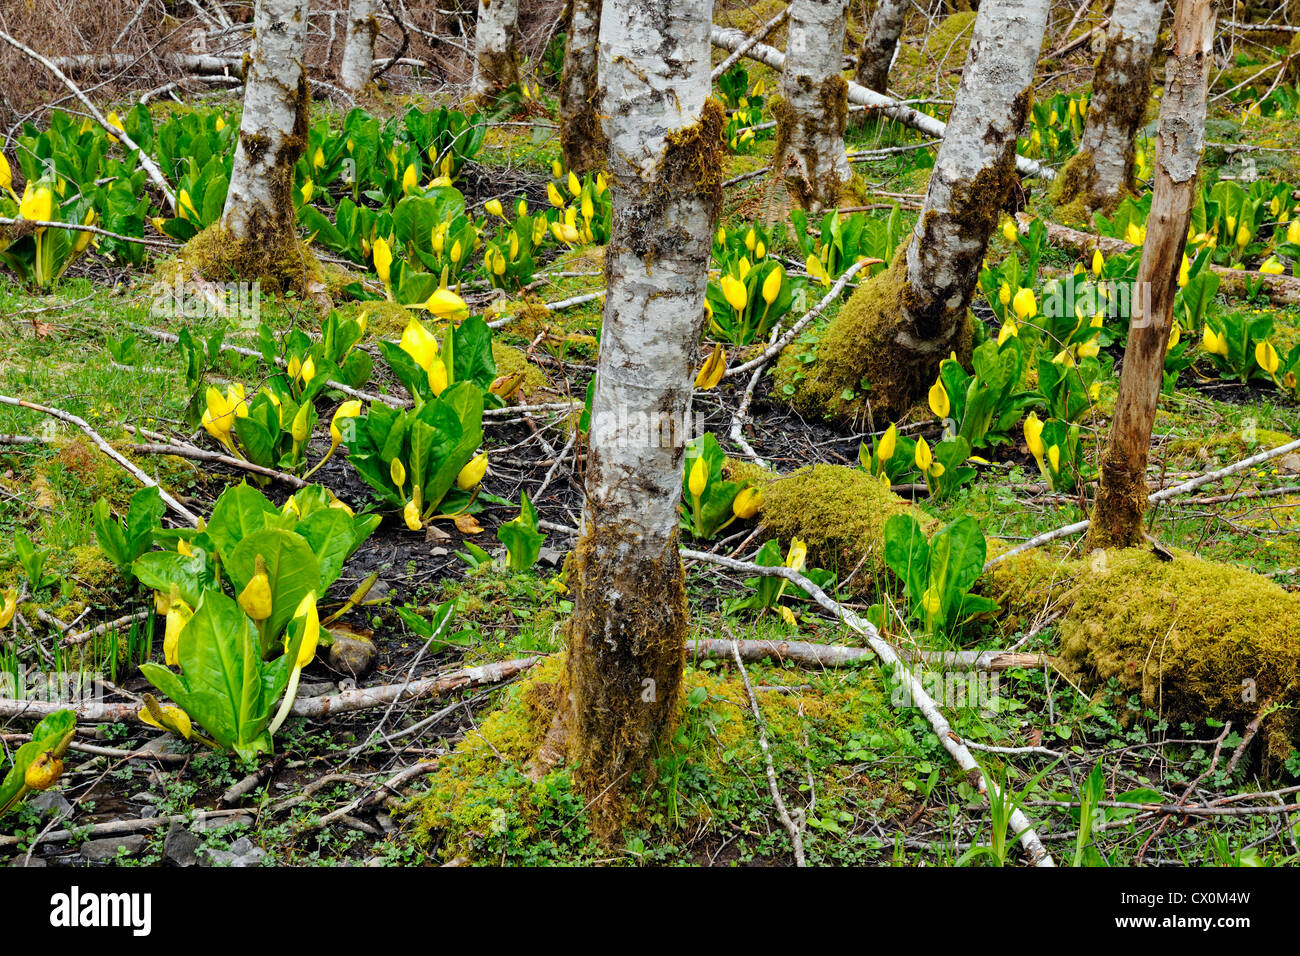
880, 43
358, 63
627, 632
1121, 498
814, 105
496, 59
258, 221
897, 328
1103, 169
581, 138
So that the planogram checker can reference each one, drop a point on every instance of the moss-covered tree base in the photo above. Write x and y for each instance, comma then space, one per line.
860, 372
281, 267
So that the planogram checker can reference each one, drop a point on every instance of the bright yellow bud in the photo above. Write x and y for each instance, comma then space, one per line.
699, 477
1034, 435
310, 616
383, 258
493, 207
772, 285
1098, 263
746, 504
473, 472
888, 442
923, 458
736, 294
939, 403
397, 471
1025, 305
711, 371
255, 599
1267, 357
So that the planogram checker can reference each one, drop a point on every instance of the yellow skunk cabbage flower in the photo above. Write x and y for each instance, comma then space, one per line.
43, 771
8, 607
699, 477
1025, 305
410, 179
318, 158
6, 176
1089, 349
711, 371
1009, 231
939, 403
397, 471
308, 187
760, 250
734, 291
1054, 457
473, 472
1272, 267
1004, 294
301, 427
310, 616
438, 377
746, 504
1098, 263
1009, 330
772, 284
168, 717
575, 187
554, 196
1267, 357
931, 602
1135, 235
456, 252
1184, 272
493, 207
1293, 232
37, 204
178, 615
255, 599
588, 207
888, 442
349, 409
219, 416
1034, 436
797, 557
115, 121
446, 304
308, 370
185, 206
923, 458
411, 515
1243, 236
419, 343
221, 124
383, 258
1214, 343
1175, 333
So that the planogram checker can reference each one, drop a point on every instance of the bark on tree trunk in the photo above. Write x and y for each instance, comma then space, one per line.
878, 45
581, 137
358, 62
1101, 172
496, 61
627, 633
814, 105
1121, 498
896, 328
258, 221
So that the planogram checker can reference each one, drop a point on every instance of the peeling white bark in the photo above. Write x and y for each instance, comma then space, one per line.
815, 159
654, 77
880, 44
495, 66
272, 130
358, 63
944, 259
1110, 127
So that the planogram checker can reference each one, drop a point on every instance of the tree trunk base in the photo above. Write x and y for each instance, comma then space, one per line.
280, 265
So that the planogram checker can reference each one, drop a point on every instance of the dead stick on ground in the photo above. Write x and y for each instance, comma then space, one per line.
82, 636
149, 165
795, 830
951, 742
1163, 495
107, 449
841, 655
763, 33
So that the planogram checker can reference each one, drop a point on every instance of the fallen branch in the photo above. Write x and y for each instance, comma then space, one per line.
841, 655
82, 636
117, 827
93, 230
763, 33
1162, 495
1020, 824
107, 449
201, 454
149, 165
734, 39
1282, 289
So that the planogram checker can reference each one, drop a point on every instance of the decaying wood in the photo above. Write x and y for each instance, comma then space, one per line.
841, 655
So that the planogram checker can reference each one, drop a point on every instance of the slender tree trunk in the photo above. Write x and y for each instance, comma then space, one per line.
880, 42
358, 64
258, 220
896, 328
814, 105
1121, 498
1101, 172
627, 633
581, 137
496, 61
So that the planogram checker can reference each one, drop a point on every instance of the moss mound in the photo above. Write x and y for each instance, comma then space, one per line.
840, 513
219, 257
1192, 637
510, 361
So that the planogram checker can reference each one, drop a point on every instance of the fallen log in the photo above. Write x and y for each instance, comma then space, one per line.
1282, 289
840, 655
733, 40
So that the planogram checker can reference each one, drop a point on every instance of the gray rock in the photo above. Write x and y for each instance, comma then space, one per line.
551, 556
318, 689
52, 804
351, 654
23, 861
243, 846
100, 851
181, 846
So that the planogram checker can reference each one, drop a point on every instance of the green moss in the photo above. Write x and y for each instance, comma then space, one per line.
510, 361
1195, 639
284, 267
840, 513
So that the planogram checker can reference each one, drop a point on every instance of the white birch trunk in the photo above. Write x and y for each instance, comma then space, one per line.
626, 638
496, 63
358, 63
259, 206
581, 137
1121, 88
812, 158
878, 45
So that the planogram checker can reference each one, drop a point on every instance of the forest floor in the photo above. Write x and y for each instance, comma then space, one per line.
867, 778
